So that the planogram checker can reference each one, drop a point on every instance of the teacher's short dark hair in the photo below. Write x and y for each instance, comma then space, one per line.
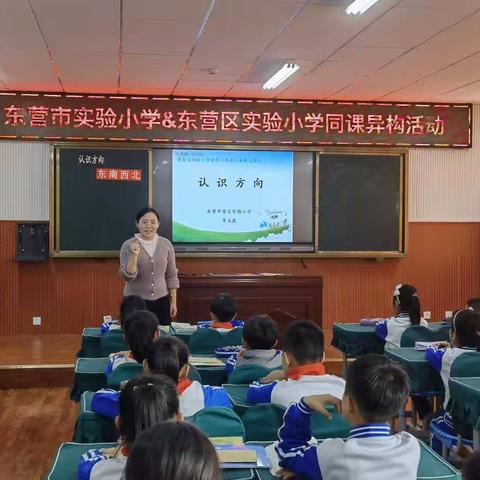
146, 210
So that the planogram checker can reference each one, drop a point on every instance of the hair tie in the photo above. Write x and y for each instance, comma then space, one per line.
415, 294
477, 333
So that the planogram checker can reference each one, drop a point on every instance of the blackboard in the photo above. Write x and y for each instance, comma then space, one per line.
98, 193
361, 204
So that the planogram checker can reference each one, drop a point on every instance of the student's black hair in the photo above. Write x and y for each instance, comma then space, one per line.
405, 297
471, 467
223, 305
260, 332
144, 211
172, 451
129, 305
140, 328
474, 304
379, 387
146, 401
167, 356
304, 340
466, 326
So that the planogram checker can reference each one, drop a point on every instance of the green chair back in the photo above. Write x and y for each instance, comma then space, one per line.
420, 333
194, 374
247, 374
125, 371
262, 422
337, 427
218, 422
113, 342
466, 365
233, 337
204, 341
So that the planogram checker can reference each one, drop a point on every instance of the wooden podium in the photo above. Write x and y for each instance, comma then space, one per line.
284, 297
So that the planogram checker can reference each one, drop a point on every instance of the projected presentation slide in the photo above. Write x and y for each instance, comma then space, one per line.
232, 196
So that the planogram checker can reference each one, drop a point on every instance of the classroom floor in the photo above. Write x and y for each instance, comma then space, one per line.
33, 422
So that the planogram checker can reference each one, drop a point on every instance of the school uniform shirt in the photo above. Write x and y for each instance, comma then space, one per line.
264, 358
234, 323
193, 397
441, 360
96, 466
303, 380
109, 326
391, 329
369, 453
115, 360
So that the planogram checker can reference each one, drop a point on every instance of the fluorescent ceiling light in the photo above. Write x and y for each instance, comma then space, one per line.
359, 6
287, 70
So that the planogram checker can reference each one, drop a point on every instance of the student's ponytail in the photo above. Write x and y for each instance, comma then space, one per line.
146, 401
406, 298
140, 329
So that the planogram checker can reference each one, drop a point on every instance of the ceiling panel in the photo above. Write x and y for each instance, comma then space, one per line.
408, 27
441, 82
72, 26
318, 31
162, 27
88, 72
150, 73
239, 31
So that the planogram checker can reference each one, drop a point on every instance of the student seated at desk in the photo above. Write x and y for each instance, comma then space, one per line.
223, 313
464, 337
144, 402
130, 304
376, 390
260, 335
156, 454
169, 356
141, 328
406, 307
303, 370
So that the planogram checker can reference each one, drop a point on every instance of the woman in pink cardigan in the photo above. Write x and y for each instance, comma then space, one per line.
147, 265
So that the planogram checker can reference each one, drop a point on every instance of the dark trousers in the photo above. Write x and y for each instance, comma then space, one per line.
161, 308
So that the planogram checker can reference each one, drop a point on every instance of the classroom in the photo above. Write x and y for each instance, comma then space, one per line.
239, 239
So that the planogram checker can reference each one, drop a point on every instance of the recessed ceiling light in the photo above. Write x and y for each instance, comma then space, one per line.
287, 70
359, 6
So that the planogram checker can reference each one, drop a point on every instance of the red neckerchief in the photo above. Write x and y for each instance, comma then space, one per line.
124, 450
183, 384
226, 325
310, 369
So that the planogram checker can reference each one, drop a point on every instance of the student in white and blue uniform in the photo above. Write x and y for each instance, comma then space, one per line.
303, 370
376, 390
260, 336
406, 307
464, 337
223, 313
141, 329
144, 402
130, 304
169, 356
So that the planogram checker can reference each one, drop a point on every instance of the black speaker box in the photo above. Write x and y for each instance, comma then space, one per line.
32, 242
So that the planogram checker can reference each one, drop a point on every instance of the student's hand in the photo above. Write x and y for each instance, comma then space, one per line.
135, 249
318, 403
443, 345
109, 452
285, 474
273, 376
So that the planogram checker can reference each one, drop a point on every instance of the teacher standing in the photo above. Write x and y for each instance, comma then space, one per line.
147, 264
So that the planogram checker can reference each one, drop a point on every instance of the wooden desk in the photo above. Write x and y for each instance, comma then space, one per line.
284, 297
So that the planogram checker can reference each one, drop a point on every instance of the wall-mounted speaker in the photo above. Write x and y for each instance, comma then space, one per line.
32, 242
